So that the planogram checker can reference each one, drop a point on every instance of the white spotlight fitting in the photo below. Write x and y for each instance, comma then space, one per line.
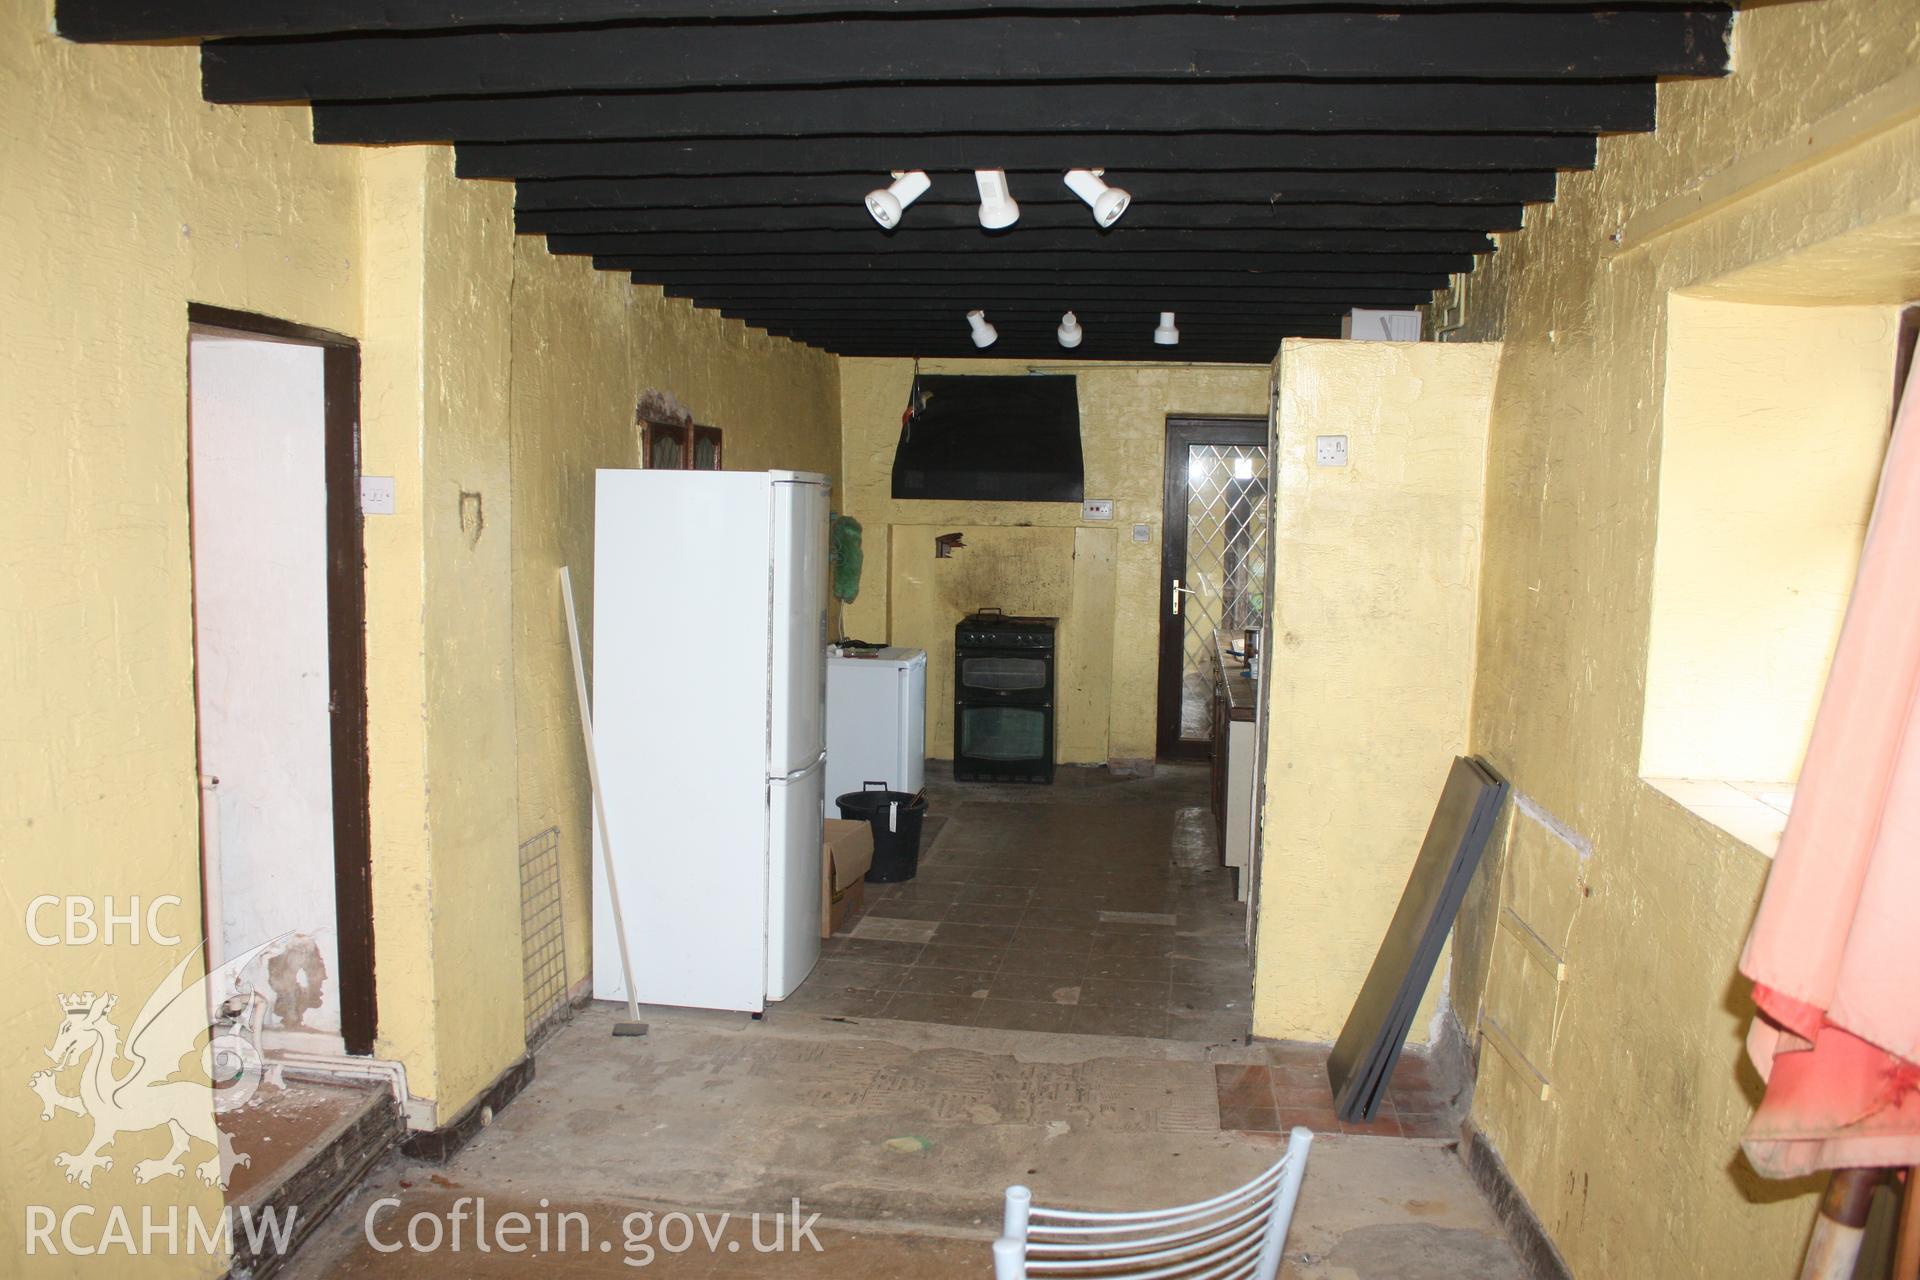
1166, 335
888, 202
984, 334
1107, 203
1069, 331
997, 207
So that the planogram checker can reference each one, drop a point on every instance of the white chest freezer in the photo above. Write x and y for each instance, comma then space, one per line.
876, 721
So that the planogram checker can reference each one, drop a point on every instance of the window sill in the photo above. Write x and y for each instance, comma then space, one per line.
1754, 813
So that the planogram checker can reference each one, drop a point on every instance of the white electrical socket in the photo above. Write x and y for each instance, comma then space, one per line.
1330, 451
376, 495
1097, 509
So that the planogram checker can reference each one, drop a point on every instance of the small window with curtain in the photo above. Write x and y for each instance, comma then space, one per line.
666, 446
706, 448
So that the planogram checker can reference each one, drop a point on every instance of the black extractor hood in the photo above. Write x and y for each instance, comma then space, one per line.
982, 439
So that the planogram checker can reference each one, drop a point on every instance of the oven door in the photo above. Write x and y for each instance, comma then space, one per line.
1004, 734
1003, 676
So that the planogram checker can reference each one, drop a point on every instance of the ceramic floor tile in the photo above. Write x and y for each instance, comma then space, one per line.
1024, 1015
953, 1011
1035, 987
924, 980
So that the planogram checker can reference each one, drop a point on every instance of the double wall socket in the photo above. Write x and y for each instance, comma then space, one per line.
1097, 509
1330, 451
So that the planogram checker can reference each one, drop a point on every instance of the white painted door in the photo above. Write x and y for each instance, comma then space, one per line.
257, 461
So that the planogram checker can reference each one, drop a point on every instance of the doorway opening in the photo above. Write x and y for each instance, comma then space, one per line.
279, 628
1213, 568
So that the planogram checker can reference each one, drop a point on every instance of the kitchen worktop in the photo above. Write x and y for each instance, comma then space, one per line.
1241, 690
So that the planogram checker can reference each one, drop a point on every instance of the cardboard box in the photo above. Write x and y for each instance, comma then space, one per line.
847, 852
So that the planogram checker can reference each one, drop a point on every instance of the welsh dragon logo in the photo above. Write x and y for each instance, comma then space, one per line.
152, 1092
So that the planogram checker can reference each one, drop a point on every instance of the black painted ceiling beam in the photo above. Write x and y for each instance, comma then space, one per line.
1256, 346
851, 216
974, 241
1439, 107
1145, 316
1171, 296
1055, 300
108, 20
1238, 343
1044, 186
1563, 45
617, 159
676, 283
951, 309
1237, 262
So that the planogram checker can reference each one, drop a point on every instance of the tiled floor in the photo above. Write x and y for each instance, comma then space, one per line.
1292, 1089
1096, 906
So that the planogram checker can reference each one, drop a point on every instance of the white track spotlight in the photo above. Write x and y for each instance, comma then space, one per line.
997, 207
1107, 203
1069, 331
1166, 335
887, 203
984, 334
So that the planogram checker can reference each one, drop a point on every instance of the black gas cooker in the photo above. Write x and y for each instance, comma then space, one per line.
992, 629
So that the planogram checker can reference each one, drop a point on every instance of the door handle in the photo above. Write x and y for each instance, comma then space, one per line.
1174, 602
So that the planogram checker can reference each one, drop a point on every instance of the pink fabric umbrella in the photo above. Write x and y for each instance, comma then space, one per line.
1835, 952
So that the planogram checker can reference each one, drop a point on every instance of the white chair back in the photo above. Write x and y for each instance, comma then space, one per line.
1235, 1236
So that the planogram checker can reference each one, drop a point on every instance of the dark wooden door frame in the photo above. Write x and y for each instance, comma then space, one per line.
346, 658
1183, 431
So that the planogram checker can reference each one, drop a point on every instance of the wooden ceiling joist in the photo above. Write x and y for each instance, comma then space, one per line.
848, 215
1043, 186
1040, 241
122, 20
559, 157
1180, 49
866, 110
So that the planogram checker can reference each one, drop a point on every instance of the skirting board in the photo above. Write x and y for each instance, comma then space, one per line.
1529, 1236
437, 1146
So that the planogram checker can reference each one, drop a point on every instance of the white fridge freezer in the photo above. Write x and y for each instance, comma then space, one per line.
876, 721
709, 710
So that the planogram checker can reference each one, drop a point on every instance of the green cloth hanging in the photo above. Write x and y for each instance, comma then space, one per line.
844, 556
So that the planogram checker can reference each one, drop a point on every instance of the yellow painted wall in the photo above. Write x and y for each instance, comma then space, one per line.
1107, 687
1370, 656
123, 198
1767, 479
1812, 147
493, 380
585, 345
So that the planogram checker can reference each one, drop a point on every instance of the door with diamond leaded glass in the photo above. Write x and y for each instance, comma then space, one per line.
1213, 568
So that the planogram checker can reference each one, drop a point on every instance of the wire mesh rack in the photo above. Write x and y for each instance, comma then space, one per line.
543, 936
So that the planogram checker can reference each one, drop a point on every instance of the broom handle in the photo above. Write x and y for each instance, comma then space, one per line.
593, 781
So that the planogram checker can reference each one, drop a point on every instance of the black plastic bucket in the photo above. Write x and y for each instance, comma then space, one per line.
896, 818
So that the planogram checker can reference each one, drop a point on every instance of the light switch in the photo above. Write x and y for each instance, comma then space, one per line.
1143, 533
376, 495
1330, 451
1097, 509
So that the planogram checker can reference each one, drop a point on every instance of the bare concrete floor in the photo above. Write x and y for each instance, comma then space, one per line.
902, 1136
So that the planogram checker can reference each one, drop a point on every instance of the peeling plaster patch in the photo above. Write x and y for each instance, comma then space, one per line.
473, 517
1560, 830
298, 977
662, 407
